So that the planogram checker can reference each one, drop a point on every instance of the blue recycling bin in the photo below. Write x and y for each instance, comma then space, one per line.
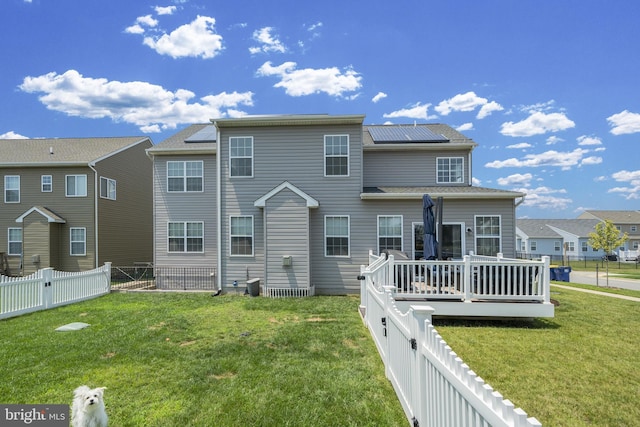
563, 274
553, 273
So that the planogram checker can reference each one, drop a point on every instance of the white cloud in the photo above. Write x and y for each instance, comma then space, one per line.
476, 182
12, 135
516, 179
468, 102
196, 39
545, 198
489, 108
378, 97
591, 160
147, 20
268, 42
624, 122
134, 29
148, 106
589, 140
537, 123
309, 81
521, 145
416, 111
168, 10
464, 127
632, 191
554, 140
565, 160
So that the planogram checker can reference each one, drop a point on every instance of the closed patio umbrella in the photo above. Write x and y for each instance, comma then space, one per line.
430, 243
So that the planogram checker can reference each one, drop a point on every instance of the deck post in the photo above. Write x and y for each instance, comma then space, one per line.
546, 278
467, 279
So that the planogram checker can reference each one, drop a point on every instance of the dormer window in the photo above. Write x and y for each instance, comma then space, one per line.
450, 170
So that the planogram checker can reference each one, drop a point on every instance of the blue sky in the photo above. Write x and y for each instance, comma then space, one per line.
550, 90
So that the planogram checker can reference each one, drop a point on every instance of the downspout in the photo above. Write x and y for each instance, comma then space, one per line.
153, 201
95, 210
520, 202
218, 209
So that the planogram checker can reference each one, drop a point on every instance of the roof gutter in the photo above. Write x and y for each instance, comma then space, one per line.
449, 196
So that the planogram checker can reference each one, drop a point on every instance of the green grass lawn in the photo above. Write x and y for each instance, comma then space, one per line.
194, 360
580, 368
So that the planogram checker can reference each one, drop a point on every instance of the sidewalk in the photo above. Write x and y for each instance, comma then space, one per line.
590, 278
605, 294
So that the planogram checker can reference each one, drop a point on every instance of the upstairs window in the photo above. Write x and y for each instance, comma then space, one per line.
185, 177
584, 246
534, 246
46, 183
336, 155
241, 157
76, 185
450, 170
12, 189
488, 235
389, 232
107, 188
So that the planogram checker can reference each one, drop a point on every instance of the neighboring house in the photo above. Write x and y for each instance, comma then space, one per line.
75, 203
299, 201
557, 238
625, 221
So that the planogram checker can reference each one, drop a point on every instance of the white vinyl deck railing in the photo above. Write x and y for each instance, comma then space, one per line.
433, 384
48, 288
474, 278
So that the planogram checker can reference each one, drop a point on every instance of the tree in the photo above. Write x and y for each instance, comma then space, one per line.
607, 237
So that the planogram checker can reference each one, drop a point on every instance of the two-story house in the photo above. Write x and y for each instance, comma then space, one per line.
560, 239
75, 203
299, 201
625, 221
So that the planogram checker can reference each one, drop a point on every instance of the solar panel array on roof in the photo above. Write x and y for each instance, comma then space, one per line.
206, 134
404, 134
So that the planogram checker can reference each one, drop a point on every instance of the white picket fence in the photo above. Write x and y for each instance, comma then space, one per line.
435, 387
48, 288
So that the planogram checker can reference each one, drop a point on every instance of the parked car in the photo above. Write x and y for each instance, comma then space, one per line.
611, 257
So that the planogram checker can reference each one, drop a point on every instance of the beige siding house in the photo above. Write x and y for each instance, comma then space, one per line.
75, 203
299, 201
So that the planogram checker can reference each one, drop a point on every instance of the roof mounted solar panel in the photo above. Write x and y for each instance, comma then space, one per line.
208, 133
404, 134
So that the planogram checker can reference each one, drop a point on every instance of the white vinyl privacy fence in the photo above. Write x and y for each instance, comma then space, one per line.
435, 387
48, 288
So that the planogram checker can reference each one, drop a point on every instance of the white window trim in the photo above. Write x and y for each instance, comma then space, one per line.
6, 179
477, 235
241, 157
348, 236
66, 185
108, 195
449, 170
401, 231
185, 237
534, 245
348, 156
253, 237
184, 176
9, 241
71, 241
42, 184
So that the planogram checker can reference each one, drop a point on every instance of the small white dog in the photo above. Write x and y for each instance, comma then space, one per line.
88, 408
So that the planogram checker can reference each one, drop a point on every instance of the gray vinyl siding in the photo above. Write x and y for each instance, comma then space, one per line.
294, 154
287, 231
185, 207
407, 168
125, 225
